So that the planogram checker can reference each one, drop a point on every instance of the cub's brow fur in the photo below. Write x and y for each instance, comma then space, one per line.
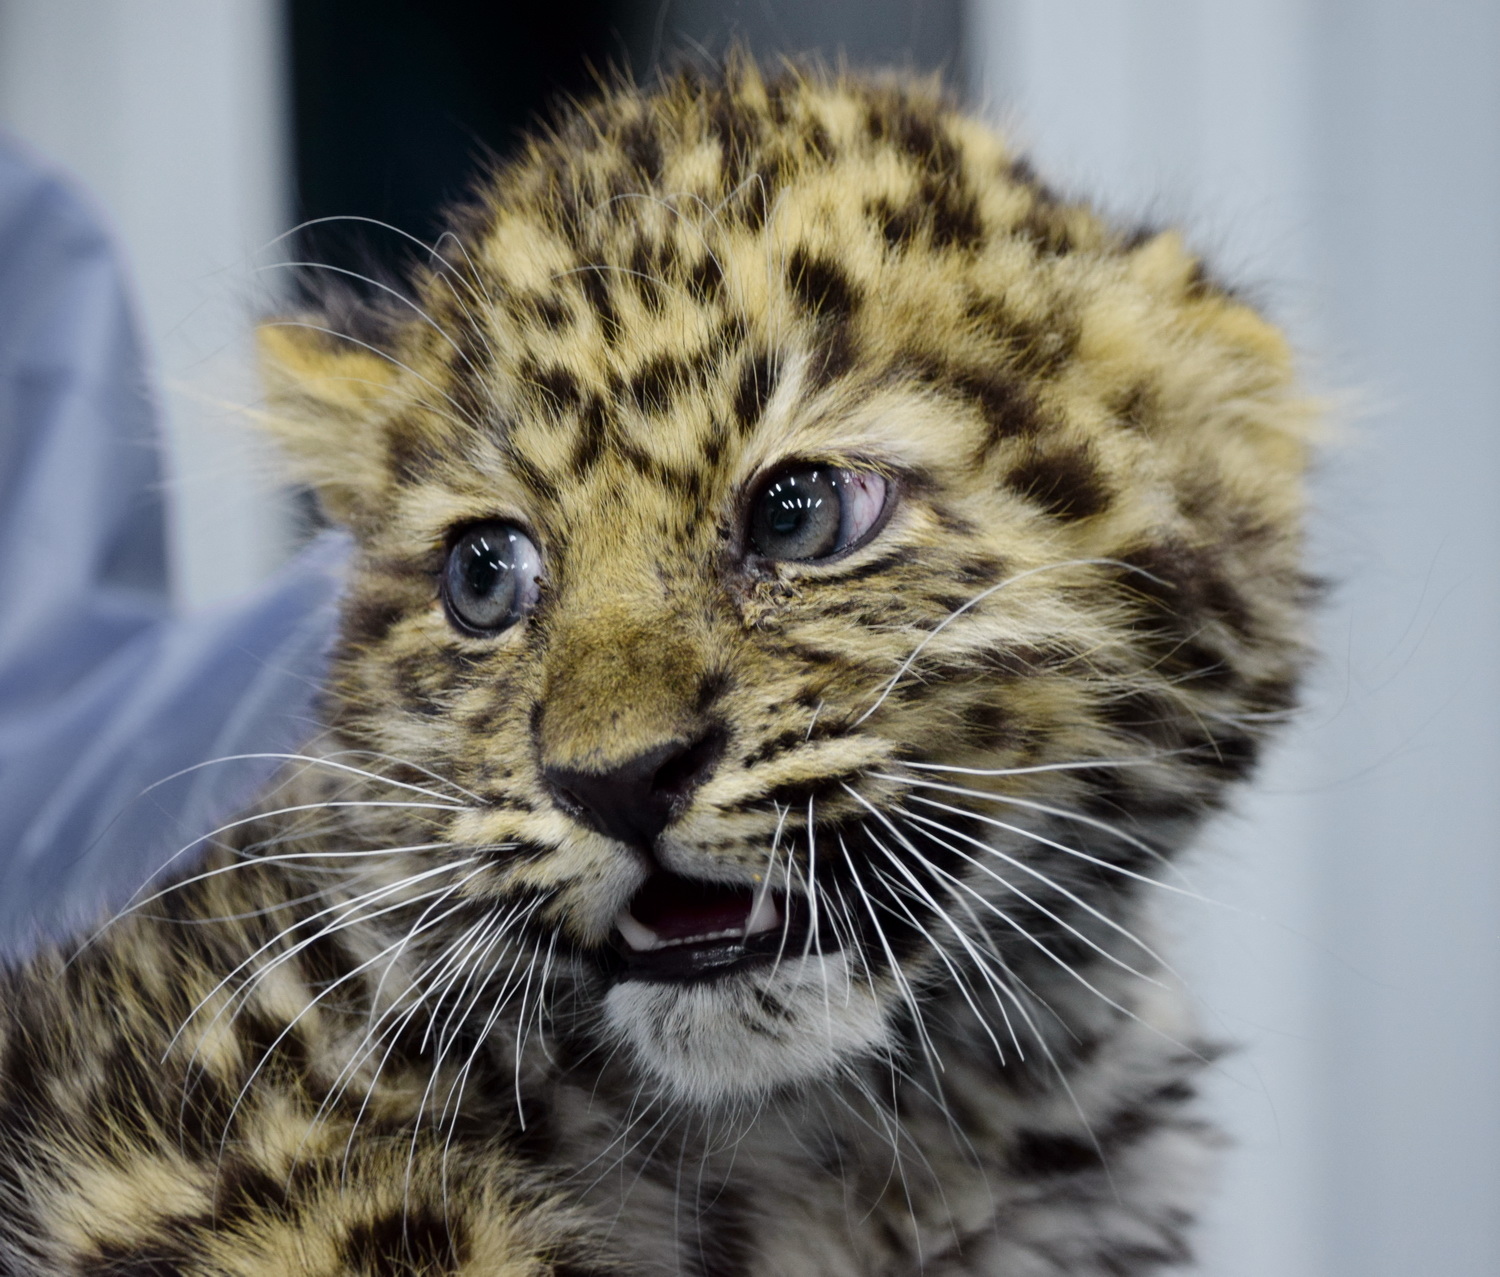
382, 1029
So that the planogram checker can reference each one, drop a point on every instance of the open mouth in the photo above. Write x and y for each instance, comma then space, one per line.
681, 929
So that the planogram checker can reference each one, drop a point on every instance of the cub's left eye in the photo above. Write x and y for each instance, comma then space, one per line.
810, 512
490, 579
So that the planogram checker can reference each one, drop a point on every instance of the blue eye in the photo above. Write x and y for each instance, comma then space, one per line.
490, 579
814, 512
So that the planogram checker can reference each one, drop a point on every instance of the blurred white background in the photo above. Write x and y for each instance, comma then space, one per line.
1339, 157
173, 113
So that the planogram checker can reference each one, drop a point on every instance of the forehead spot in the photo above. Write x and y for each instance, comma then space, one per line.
1065, 482
821, 286
757, 383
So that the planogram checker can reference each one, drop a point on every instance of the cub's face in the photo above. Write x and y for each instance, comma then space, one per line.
824, 563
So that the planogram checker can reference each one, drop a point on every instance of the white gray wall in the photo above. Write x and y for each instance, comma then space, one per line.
172, 112
1343, 157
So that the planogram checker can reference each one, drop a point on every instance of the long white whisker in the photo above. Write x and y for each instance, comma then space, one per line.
1064, 814
987, 958
1031, 770
354, 917
385, 288
447, 274
934, 1063
459, 962
1005, 993
1001, 988
454, 1099
463, 414
786, 913
244, 860
445, 894
811, 879
1031, 900
853, 948
1077, 818
329, 761
350, 910
960, 981
978, 599
1038, 944
524, 912
492, 933
390, 1034
502, 1000
1030, 870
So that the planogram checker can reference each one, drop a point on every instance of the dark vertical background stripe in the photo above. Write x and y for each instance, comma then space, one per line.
398, 104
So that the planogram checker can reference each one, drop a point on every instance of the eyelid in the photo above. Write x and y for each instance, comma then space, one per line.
460, 528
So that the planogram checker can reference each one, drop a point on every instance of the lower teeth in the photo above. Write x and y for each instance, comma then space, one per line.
734, 934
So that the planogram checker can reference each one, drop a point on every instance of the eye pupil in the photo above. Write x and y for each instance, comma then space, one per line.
485, 567
786, 518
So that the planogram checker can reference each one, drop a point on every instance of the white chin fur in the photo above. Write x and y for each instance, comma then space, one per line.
745, 1035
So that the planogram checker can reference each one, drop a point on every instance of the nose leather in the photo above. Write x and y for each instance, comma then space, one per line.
634, 800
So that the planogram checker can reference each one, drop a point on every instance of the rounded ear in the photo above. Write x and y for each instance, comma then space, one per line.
326, 396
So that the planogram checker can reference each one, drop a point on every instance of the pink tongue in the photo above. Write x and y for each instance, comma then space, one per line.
676, 908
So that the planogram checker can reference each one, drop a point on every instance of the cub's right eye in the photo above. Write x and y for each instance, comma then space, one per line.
490, 579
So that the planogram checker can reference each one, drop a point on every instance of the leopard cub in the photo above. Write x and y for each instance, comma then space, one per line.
810, 580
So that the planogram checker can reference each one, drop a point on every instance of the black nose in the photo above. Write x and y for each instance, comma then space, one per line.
635, 800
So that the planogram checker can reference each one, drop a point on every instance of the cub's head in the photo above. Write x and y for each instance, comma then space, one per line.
832, 569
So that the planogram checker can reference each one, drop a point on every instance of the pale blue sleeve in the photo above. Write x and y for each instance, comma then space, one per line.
104, 691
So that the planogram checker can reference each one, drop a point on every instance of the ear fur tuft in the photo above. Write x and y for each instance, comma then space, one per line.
327, 396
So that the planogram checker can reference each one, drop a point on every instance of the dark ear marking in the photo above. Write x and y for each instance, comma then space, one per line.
1045, 227
1201, 282
369, 619
641, 147
736, 131
956, 222
645, 267
551, 311
410, 457
1022, 172
471, 368
835, 354
1136, 408
1009, 410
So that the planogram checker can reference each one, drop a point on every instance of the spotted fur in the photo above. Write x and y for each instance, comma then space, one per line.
380, 1029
